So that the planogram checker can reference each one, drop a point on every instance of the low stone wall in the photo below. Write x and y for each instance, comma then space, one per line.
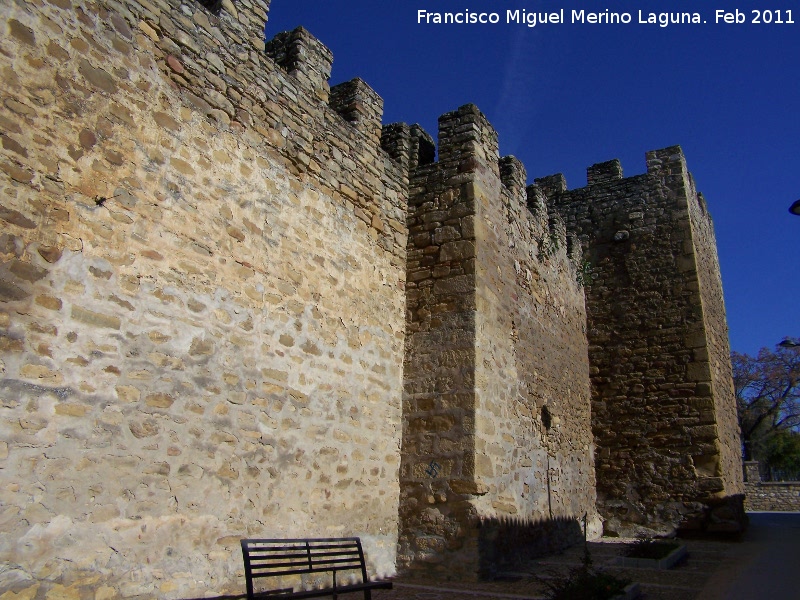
769, 495
772, 495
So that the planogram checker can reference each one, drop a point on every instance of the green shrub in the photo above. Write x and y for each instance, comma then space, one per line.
586, 583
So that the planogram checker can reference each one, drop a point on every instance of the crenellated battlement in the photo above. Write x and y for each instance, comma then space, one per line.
552, 185
359, 105
513, 175
665, 161
468, 143
660, 163
466, 136
303, 57
602, 172
411, 146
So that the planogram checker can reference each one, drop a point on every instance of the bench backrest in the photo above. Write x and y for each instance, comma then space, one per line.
275, 558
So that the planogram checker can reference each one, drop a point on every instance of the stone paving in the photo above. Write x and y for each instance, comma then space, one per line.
686, 581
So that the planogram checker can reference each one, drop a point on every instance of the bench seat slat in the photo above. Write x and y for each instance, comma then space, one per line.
263, 574
334, 561
274, 556
278, 570
315, 565
354, 556
284, 559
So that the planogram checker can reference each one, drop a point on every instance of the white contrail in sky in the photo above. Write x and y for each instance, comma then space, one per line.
518, 98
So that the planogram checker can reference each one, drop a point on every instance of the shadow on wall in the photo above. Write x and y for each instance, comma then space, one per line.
509, 543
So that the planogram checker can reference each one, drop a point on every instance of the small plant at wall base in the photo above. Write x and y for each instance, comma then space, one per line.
586, 583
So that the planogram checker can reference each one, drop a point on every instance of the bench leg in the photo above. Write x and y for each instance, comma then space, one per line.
367, 594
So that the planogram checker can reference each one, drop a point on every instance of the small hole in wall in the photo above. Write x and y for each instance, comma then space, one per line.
547, 419
214, 6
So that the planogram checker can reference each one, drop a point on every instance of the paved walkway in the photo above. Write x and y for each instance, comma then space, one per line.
764, 564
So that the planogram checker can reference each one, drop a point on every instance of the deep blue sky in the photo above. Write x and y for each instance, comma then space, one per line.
565, 96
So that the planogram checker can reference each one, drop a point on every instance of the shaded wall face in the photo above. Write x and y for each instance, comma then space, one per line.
534, 444
494, 333
201, 331
717, 351
661, 427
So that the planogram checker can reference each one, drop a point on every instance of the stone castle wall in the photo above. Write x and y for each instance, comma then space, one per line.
535, 451
202, 300
232, 304
663, 416
495, 333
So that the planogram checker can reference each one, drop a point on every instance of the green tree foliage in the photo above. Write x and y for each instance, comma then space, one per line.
768, 399
782, 450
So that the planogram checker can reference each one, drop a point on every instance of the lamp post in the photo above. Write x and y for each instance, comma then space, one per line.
789, 342
795, 208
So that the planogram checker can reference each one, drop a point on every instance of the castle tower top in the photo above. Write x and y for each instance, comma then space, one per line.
303, 56
605, 171
667, 161
466, 134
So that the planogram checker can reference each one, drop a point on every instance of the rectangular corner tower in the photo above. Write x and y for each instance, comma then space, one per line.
663, 408
497, 447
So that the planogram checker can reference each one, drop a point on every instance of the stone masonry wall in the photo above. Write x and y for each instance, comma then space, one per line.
495, 333
439, 371
769, 495
534, 447
772, 496
660, 402
228, 295
202, 322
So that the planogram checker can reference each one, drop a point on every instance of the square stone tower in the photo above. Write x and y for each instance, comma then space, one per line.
497, 451
663, 409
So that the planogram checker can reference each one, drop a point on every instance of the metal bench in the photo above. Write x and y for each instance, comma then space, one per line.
266, 559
